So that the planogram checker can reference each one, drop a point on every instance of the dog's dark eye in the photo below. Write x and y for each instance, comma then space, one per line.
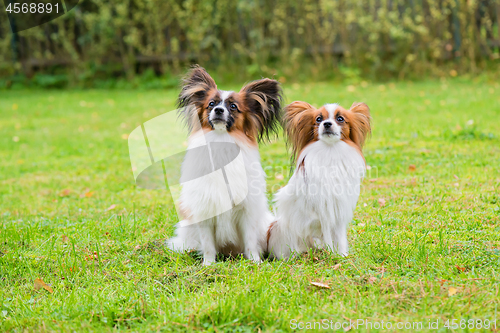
319, 119
340, 119
212, 103
233, 106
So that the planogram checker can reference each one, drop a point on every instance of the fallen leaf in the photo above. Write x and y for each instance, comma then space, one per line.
113, 206
412, 167
461, 269
320, 285
337, 266
372, 279
65, 192
39, 284
89, 194
381, 202
452, 291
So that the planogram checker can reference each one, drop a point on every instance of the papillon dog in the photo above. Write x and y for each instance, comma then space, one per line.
226, 211
314, 209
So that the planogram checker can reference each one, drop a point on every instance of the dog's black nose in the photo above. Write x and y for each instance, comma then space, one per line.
219, 111
327, 124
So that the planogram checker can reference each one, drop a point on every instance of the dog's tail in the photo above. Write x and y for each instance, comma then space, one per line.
278, 241
182, 241
268, 234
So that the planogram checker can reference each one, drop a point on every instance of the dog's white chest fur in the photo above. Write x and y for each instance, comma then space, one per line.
328, 181
225, 182
229, 203
314, 209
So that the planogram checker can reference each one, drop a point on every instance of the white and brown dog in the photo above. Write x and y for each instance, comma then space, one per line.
315, 207
225, 211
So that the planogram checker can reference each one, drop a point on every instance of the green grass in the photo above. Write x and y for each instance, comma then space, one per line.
71, 215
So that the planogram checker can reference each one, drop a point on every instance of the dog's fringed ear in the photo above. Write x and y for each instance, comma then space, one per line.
298, 125
195, 87
264, 99
359, 123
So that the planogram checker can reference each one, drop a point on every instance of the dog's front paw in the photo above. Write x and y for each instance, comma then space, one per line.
257, 261
208, 260
254, 256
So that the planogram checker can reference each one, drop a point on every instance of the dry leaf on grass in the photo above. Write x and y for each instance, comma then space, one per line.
452, 291
65, 192
461, 269
320, 285
381, 202
39, 284
113, 206
372, 279
442, 281
412, 167
337, 266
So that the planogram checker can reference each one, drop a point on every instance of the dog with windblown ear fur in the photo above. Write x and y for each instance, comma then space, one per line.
314, 209
226, 210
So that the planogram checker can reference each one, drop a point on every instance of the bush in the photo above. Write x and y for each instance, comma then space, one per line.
108, 39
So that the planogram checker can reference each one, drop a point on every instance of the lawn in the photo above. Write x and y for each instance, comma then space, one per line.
425, 240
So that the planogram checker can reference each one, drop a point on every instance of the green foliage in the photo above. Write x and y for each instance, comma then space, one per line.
72, 216
105, 40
